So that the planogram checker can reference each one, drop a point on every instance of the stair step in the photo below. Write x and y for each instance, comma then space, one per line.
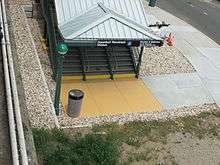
95, 57
72, 61
124, 65
88, 68
96, 65
69, 57
96, 61
72, 66
121, 54
123, 69
124, 60
72, 71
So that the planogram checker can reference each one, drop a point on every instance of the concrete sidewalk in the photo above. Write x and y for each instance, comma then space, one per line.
202, 52
178, 90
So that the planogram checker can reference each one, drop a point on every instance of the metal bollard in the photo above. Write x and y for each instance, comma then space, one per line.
152, 3
74, 103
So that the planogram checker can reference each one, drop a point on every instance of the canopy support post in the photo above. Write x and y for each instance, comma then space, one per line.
139, 61
109, 64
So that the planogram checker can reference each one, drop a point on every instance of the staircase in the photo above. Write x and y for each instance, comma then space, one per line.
99, 61
122, 60
72, 65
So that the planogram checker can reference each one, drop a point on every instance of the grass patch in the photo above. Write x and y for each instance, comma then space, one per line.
103, 144
55, 147
139, 156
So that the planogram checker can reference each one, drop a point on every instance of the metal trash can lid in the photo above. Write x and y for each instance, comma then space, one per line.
76, 94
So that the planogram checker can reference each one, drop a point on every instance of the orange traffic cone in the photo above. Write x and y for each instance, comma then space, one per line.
169, 40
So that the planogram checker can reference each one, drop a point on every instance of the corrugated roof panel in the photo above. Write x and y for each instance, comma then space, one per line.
127, 33
83, 21
102, 30
110, 32
115, 26
59, 11
95, 31
121, 29
98, 19
71, 8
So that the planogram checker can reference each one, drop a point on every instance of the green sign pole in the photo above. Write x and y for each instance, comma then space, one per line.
62, 50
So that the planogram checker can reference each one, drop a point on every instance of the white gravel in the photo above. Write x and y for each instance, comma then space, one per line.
67, 122
164, 60
42, 54
19, 2
38, 102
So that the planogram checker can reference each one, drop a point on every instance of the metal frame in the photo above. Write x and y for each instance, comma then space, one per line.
139, 61
46, 6
82, 64
134, 62
109, 64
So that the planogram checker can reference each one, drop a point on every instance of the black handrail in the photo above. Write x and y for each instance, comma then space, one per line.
109, 57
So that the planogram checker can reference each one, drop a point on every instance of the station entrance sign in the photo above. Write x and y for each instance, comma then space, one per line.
117, 43
125, 43
151, 43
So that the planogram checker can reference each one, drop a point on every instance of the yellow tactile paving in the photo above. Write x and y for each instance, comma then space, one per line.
70, 78
137, 95
105, 97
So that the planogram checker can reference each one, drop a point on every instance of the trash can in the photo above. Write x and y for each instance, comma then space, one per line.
74, 103
152, 3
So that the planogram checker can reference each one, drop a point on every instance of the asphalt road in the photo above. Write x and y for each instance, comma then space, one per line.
202, 14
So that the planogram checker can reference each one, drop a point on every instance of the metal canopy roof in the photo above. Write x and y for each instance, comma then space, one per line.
103, 19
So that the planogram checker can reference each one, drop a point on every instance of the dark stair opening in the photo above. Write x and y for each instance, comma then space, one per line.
99, 61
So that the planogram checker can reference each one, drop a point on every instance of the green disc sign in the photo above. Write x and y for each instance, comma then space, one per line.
62, 48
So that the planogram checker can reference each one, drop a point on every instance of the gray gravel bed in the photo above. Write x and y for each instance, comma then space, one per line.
38, 102
35, 26
67, 122
19, 2
164, 60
